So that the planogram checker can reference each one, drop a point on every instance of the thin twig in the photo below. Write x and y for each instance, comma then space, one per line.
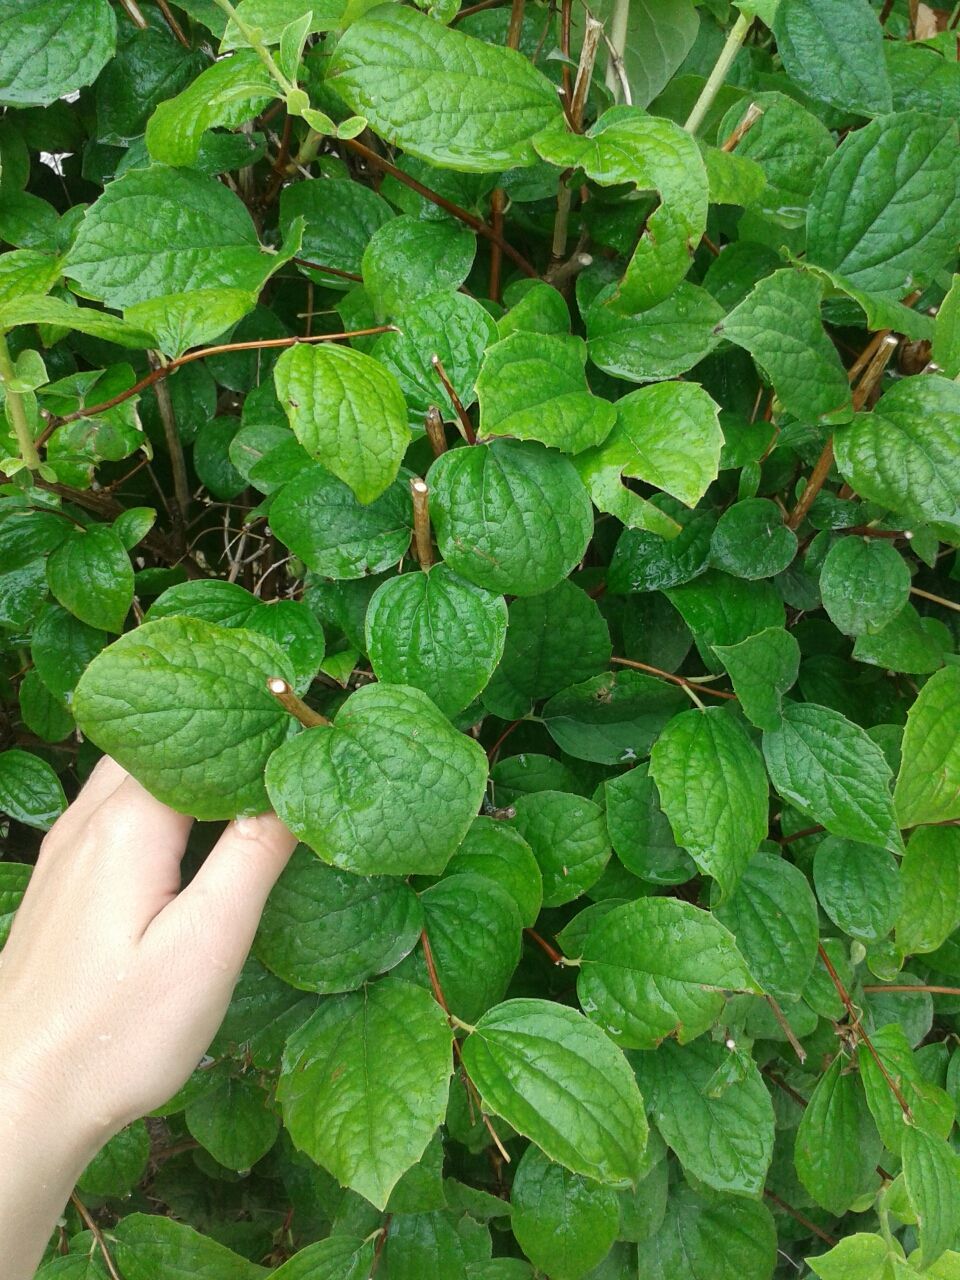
492, 753
91, 1225
799, 1217
464, 418
750, 118
941, 600
904, 988
787, 1030
421, 522
552, 954
181, 482
328, 270
281, 690
433, 425
799, 835
172, 23
679, 680
132, 10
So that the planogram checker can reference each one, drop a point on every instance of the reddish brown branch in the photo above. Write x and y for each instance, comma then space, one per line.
421, 522
466, 426
679, 680
799, 1217
552, 954
492, 753
328, 270
172, 23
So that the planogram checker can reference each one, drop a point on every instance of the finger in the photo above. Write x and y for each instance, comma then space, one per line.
223, 903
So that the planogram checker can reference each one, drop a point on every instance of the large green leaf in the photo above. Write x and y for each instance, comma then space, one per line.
658, 38
150, 1245
931, 1107
408, 258
495, 851
228, 93
436, 632
328, 931
347, 411
532, 387
91, 575
931, 1172
339, 219
553, 640
722, 610
390, 788
569, 840
640, 832
50, 48
885, 215
835, 1151
510, 516
183, 320
627, 145
557, 1079
906, 453
763, 667
711, 1237
234, 1122
858, 886
426, 88
833, 49
928, 785
643, 444
864, 583
159, 230
779, 324
340, 1257
32, 308
714, 791
30, 791
661, 342
930, 872
856, 1257
751, 541
658, 967
323, 522
834, 773
184, 706
721, 1129
563, 1222
613, 718
364, 1084
772, 913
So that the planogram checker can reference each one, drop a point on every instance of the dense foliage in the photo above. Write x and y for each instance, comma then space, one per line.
526, 454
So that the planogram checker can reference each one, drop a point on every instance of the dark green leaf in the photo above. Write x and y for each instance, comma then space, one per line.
833, 49
148, 1245
711, 1238
931, 1172
835, 1152
930, 874
613, 718
751, 540
569, 840
234, 1122
640, 832
30, 791
858, 886
91, 575
495, 851
864, 583
48, 51
563, 1222
762, 668
928, 785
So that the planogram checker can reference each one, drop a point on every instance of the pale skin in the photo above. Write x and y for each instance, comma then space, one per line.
112, 985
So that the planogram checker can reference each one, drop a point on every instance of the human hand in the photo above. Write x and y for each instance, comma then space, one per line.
113, 983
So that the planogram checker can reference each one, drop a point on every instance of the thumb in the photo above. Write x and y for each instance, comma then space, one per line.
225, 899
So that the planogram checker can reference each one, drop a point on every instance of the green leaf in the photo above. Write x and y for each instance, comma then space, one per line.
790, 145
91, 575
364, 1084
49, 50
906, 453
474, 930
722, 611
658, 38
858, 886
408, 257
61, 647
319, 518
183, 705
928, 785
328, 931
772, 914
563, 1222
233, 1122
930, 872
558, 1080
779, 324
884, 214
391, 788
908, 643
496, 852
426, 88
627, 145
646, 561
450, 325
662, 342
183, 320
228, 93
30, 791
931, 1107
639, 830
864, 584
24, 271
158, 231
762, 669
642, 445
569, 841
347, 411
833, 49
34, 309
553, 640
510, 516
931, 1171
340, 1257
613, 718
725, 1138
147, 1245
946, 337
857, 1257
420, 1241
117, 1168
711, 1238
834, 773
751, 541
438, 633
714, 791
658, 967
339, 217
40, 710
532, 387
834, 1157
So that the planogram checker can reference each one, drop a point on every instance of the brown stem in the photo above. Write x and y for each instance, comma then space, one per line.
941, 600
886, 11
181, 482
787, 1030
750, 118
592, 32
165, 370
860, 1031
552, 954
281, 690
813, 486
907, 988
381, 1243
466, 425
279, 170
779, 1081
799, 835
498, 200
172, 23
433, 425
328, 270
492, 753
91, 1225
874, 370
868, 531
420, 493
799, 1217
433, 976
680, 680
132, 10
566, 7
477, 224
